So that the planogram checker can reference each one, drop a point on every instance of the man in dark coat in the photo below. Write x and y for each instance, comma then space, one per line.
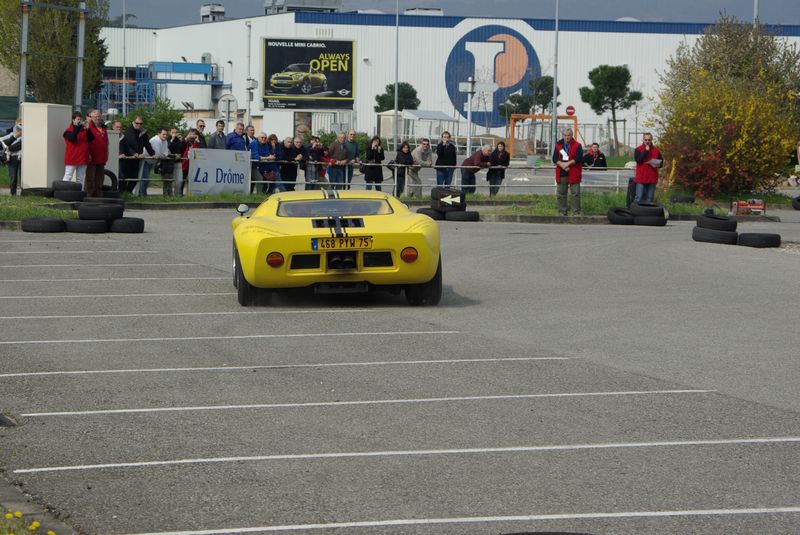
131, 148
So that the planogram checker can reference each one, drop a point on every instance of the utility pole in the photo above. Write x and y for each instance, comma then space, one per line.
396, 66
23, 54
124, 63
79, 59
554, 118
470, 93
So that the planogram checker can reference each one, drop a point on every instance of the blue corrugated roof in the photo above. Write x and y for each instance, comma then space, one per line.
425, 21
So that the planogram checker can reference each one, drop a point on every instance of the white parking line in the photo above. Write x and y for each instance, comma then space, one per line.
231, 337
108, 240
363, 402
280, 366
623, 515
79, 252
223, 313
193, 294
110, 279
92, 265
415, 453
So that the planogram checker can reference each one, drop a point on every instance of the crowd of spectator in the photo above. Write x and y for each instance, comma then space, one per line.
276, 164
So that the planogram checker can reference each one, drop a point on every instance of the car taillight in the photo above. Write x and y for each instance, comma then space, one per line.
409, 254
275, 259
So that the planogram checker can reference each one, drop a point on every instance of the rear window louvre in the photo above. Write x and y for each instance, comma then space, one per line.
346, 222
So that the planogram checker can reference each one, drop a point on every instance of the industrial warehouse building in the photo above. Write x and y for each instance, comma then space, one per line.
310, 71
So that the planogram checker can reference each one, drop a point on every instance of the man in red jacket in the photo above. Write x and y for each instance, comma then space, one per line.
648, 160
76, 155
98, 155
567, 157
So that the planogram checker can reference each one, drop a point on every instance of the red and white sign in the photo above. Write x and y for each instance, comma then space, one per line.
570, 110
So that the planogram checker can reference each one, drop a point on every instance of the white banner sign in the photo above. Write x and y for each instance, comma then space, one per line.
218, 171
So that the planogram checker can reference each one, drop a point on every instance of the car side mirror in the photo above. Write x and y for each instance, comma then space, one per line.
242, 209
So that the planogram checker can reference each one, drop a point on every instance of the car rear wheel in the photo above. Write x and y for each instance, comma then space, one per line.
234, 262
247, 294
428, 293
324, 85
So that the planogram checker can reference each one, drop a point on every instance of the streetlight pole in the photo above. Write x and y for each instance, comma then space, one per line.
23, 55
471, 83
124, 65
755, 13
554, 117
396, 66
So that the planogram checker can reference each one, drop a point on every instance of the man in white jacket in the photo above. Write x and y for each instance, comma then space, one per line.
160, 146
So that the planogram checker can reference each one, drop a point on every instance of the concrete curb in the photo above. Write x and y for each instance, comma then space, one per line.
13, 499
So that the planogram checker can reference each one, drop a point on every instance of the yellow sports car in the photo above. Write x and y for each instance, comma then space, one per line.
336, 241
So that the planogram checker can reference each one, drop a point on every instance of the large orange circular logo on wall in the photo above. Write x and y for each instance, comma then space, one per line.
511, 64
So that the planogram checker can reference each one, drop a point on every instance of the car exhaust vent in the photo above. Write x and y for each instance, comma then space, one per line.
382, 259
342, 260
305, 261
345, 222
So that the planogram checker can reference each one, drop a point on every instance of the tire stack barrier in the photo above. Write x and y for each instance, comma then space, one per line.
722, 229
796, 203
647, 214
68, 191
449, 204
103, 215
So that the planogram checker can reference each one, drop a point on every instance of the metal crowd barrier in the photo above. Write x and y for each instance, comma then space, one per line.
517, 177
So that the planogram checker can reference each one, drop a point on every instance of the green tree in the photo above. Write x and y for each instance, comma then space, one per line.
610, 91
729, 109
406, 98
163, 115
53, 33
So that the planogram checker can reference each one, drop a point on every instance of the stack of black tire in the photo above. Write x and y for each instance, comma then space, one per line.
721, 229
67, 192
449, 204
95, 215
645, 213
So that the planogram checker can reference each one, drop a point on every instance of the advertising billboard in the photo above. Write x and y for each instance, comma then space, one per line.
308, 73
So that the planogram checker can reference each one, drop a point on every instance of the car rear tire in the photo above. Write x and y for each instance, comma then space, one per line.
759, 239
246, 293
234, 263
428, 293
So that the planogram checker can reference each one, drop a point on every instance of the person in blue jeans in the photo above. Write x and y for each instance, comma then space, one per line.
351, 146
338, 156
445, 156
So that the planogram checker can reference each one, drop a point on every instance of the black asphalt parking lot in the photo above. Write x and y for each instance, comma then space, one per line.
575, 378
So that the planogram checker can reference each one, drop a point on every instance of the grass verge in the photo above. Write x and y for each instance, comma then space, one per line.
17, 208
591, 204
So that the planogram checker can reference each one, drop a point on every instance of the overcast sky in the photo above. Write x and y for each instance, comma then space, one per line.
158, 13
